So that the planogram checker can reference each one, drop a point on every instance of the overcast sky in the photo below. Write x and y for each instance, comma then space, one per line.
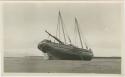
25, 25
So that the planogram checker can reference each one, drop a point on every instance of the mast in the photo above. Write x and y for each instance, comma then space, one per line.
76, 22
60, 27
61, 21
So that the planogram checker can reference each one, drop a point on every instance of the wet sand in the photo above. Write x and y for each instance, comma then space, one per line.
38, 65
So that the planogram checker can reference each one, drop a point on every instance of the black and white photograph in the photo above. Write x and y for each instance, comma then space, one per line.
62, 37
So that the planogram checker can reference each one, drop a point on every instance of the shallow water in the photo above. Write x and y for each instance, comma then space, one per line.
38, 65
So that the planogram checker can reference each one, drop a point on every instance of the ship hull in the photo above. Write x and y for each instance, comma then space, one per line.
64, 52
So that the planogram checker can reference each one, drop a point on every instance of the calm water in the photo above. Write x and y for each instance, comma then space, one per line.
38, 65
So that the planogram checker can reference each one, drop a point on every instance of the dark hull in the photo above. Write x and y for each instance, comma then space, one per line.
64, 52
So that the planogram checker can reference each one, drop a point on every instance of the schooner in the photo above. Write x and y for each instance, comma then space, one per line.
60, 50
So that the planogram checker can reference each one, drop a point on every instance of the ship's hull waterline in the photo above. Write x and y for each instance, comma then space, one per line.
64, 52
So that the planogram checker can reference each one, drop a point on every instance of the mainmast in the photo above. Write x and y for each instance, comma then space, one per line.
76, 22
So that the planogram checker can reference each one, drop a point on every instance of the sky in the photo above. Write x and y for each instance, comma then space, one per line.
25, 24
